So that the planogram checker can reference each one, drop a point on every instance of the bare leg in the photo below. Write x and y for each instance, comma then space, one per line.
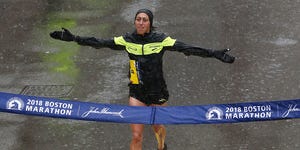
137, 136
160, 133
136, 129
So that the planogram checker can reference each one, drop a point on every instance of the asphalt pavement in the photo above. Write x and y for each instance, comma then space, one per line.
263, 36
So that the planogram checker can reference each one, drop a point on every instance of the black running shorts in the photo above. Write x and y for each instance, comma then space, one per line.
147, 96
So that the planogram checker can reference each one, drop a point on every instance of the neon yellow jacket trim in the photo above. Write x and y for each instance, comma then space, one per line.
144, 49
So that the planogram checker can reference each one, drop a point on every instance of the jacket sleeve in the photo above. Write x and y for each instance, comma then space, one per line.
98, 43
191, 50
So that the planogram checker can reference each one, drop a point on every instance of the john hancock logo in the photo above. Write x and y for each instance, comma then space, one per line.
15, 103
214, 113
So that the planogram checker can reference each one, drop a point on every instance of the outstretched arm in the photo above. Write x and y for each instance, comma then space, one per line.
198, 51
66, 35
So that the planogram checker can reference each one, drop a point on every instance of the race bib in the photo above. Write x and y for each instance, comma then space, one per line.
134, 78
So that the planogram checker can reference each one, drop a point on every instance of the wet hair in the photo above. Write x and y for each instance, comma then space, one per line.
149, 14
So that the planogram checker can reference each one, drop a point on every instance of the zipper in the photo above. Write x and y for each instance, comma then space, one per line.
142, 49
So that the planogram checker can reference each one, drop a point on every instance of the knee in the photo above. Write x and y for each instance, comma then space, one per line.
158, 128
137, 137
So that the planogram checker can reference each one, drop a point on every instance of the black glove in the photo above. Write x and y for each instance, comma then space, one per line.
64, 35
221, 55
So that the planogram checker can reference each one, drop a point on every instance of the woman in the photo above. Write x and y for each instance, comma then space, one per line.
145, 49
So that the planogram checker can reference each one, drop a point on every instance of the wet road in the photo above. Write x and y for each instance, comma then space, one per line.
263, 35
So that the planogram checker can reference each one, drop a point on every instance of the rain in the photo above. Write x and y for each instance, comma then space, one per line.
263, 35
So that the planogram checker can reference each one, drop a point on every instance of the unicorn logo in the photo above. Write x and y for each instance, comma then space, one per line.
15, 103
214, 113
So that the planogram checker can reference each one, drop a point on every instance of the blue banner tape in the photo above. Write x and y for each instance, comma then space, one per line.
200, 114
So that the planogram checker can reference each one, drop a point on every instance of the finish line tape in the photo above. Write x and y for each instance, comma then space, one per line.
199, 114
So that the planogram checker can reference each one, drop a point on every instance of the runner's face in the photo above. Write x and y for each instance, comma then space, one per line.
142, 24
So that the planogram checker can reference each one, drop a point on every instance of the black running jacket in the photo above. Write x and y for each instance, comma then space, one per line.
145, 54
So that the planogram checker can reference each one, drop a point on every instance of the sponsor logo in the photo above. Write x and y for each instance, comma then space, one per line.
162, 100
291, 108
104, 111
155, 48
15, 103
214, 113
132, 48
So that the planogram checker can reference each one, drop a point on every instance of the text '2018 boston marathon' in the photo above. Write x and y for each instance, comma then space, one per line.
49, 107
263, 111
